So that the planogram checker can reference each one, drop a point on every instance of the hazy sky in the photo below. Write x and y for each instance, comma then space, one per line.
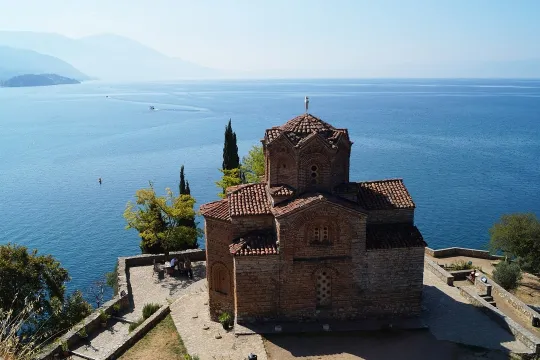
291, 34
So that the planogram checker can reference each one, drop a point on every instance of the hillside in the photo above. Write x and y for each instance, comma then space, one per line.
108, 57
19, 62
37, 80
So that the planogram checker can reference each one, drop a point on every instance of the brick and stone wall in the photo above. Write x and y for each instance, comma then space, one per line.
219, 260
394, 281
256, 283
391, 216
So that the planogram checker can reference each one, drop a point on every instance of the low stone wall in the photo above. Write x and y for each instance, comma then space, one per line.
148, 259
481, 287
439, 272
460, 274
521, 333
91, 322
514, 301
457, 251
138, 333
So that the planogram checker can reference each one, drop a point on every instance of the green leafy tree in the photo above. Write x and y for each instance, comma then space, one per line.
230, 178
253, 165
231, 160
165, 223
507, 274
517, 236
29, 278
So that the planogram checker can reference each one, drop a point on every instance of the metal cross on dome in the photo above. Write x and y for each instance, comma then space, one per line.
306, 102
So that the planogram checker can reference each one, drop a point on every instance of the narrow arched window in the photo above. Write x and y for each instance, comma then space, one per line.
314, 175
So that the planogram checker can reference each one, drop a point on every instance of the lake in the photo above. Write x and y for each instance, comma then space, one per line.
468, 151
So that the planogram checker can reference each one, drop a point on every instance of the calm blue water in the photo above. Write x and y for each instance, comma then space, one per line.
468, 151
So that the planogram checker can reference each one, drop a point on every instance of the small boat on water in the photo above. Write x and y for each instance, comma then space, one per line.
152, 107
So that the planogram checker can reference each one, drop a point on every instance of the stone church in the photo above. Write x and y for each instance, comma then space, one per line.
306, 243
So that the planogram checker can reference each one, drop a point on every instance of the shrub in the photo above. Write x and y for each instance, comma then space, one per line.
116, 307
103, 316
507, 275
149, 309
225, 319
190, 357
461, 265
12, 344
134, 325
64, 346
82, 332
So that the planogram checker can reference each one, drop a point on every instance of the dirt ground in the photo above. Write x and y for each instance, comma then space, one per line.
160, 343
414, 344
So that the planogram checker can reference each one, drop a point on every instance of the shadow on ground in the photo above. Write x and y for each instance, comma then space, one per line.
457, 330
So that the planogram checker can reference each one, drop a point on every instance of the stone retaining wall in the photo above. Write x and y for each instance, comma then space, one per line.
90, 323
457, 251
514, 301
439, 272
138, 333
521, 333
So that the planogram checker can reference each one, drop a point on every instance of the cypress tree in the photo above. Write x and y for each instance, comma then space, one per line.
182, 186
188, 190
231, 160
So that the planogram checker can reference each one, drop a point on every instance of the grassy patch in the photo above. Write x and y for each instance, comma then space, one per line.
162, 342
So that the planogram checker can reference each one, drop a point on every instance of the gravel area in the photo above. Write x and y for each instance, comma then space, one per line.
192, 319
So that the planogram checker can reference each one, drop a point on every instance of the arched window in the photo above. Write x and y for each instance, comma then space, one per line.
324, 288
314, 175
320, 234
220, 279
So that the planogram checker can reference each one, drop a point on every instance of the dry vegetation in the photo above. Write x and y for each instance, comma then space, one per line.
160, 343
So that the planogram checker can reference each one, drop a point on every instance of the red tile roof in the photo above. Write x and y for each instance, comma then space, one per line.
282, 190
216, 210
248, 199
257, 243
384, 194
386, 236
307, 199
301, 127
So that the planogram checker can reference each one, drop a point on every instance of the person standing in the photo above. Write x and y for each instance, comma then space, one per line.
187, 266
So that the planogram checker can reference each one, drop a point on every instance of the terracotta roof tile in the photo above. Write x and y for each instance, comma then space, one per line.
282, 190
300, 128
306, 199
393, 236
216, 210
248, 199
384, 194
257, 243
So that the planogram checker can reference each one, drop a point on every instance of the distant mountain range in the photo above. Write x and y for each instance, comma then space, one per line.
106, 57
15, 62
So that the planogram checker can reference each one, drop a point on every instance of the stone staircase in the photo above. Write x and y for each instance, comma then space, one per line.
489, 299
